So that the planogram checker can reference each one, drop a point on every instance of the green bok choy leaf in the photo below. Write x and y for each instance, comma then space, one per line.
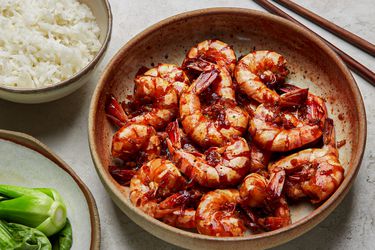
20, 237
40, 208
63, 240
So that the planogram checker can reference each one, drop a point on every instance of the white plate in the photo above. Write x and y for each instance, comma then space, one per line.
24, 161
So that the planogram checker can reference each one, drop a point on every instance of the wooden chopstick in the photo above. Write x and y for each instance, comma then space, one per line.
350, 62
333, 28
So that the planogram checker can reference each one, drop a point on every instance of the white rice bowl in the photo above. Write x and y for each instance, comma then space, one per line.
44, 42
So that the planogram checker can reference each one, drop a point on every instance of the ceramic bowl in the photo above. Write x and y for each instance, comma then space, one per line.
102, 11
24, 161
311, 63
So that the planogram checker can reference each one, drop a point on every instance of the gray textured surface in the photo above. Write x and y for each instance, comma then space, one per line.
62, 125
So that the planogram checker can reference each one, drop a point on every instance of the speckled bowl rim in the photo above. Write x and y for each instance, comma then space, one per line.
328, 205
37, 146
91, 65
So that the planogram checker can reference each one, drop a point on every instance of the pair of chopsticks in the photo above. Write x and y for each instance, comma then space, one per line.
340, 32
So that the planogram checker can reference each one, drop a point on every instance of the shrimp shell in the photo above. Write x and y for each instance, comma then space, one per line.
315, 173
153, 182
295, 130
253, 190
258, 71
259, 194
134, 140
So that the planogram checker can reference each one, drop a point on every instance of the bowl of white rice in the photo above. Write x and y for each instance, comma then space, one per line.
50, 48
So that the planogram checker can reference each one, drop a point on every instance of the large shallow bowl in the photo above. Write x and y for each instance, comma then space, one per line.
311, 64
24, 161
102, 12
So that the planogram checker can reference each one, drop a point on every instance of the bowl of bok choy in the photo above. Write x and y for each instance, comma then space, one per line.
43, 203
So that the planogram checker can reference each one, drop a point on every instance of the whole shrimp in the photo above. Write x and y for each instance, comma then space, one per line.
214, 51
134, 144
222, 118
281, 129
136, 140
263, 202
156, 101
217, 215
172, 74
218, 167
153, 183
258, 73
314, 173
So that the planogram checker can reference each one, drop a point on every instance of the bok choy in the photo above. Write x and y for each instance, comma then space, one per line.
20, 237
40, 208
63, 240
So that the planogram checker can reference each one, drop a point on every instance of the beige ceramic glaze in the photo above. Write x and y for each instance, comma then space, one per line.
24, 161
102, 12
311, 64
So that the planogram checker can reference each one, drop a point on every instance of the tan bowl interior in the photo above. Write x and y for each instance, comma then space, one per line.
311, 64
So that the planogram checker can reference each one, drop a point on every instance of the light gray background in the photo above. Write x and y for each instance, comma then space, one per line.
62, 125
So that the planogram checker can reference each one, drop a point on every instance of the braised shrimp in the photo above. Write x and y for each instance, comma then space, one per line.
263, 201
154, 182
221, 119
256, 189
258, 73
186, 201
156, 101
214, 51
274, 216
136, 141
314, 173
280, 129
163, 97
172, 74
253, 190
217, 215
221, 173
218, 167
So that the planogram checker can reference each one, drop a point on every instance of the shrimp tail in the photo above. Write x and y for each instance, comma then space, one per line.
122, 176
287, 87
294, 97
199, 65
251, 219
205, 80
174, 136
276, 184
115, 112
182, 199
329, 133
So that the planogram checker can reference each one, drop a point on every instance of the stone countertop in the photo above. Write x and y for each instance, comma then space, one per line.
62, 125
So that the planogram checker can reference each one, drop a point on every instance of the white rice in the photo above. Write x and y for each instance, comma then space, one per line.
43, 42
